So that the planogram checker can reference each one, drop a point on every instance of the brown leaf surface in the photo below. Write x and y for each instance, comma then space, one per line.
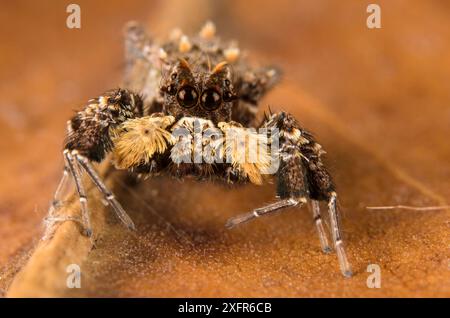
378, 101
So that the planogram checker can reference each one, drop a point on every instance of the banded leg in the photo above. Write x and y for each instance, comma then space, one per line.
108, 195
81, 192
264, 211
89, 134
337, 236
315, 207
302, 173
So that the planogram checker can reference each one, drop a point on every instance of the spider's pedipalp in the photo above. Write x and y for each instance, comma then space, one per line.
136, 141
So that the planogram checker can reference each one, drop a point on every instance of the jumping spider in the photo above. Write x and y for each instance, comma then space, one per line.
174, 84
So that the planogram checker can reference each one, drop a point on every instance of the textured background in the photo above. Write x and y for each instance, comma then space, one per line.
377, 100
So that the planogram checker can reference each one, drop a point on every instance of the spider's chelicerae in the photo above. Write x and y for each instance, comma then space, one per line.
180, 83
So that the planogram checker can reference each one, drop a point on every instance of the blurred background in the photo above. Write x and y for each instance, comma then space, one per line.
378, 100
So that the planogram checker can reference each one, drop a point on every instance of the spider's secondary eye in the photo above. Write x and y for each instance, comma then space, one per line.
170, 89
211, 99
187, 96
228, 96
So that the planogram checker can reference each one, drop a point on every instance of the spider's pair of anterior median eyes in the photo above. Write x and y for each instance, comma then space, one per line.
210, 99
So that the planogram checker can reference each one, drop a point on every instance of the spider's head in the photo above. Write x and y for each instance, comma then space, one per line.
205, 94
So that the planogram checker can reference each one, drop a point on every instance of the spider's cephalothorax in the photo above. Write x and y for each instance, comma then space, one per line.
196, 85
206, 94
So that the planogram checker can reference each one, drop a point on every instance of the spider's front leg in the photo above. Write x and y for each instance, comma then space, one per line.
89, 139
302, 175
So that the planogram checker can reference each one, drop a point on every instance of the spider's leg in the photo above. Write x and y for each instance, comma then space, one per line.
57, 197
281, 204
321, 188
252, 86
89, 135
137, 44
144, 61
255, 83
81, 192
302, 173
315, 207
337, 236
53, 217
108, 195
291, 186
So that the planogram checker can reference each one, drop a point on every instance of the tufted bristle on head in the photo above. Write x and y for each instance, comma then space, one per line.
185, 45
232, 54
208, 31
137, 140
175, 34
162, 54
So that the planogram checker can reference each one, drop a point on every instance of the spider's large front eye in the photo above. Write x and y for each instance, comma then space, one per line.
211, 99
187, 96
